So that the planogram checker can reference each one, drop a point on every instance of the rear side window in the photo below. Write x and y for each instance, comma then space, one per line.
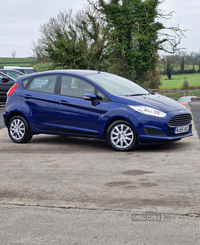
44, 84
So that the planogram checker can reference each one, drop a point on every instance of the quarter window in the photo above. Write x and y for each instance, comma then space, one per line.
25, 82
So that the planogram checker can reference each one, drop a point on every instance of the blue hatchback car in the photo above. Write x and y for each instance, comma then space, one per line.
93, 104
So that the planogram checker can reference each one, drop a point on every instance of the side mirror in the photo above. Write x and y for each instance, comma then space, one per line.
91, 97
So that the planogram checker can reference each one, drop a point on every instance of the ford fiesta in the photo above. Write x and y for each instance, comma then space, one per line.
93, 104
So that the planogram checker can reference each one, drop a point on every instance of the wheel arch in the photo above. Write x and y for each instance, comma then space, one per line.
13, 114
113, 120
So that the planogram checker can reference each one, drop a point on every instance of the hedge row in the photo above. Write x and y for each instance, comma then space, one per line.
177, 72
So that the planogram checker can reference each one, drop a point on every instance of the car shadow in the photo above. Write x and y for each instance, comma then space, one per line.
78, 142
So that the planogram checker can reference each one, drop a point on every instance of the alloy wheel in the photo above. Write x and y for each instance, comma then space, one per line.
122, 136
17, 129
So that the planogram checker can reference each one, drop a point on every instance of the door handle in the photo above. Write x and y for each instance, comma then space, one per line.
63, 102
27, 96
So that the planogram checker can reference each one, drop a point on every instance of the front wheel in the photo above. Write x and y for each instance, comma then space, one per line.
121, 135
18, 130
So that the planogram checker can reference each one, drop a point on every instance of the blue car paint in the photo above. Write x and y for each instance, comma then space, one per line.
57, 114
142, 123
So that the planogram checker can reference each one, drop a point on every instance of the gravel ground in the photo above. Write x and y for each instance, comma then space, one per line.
195, 109
1, 118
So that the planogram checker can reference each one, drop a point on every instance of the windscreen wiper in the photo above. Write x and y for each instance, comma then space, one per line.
135, 94
151, 93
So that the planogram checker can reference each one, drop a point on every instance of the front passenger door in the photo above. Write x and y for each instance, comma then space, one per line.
73, 114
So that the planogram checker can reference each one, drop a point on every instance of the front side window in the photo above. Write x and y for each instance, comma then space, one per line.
44, 84
75, 87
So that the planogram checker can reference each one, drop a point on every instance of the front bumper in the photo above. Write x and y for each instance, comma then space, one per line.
155, 130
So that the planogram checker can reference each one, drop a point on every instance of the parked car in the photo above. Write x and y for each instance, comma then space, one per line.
24, 70
12, 73
6, 82
93, 104
185, 99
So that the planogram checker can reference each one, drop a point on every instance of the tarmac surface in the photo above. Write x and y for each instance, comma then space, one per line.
65, 190
1, 119
195, 109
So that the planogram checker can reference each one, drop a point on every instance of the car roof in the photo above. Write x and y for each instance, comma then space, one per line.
73, 71
11, 70
68, 72
16, 67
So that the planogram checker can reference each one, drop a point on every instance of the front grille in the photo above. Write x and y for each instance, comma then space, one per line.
154, 132
180, 120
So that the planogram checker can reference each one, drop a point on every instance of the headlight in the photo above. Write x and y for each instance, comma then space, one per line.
148, 111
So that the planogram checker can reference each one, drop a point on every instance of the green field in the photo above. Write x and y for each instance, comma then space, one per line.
17, 61
177, 81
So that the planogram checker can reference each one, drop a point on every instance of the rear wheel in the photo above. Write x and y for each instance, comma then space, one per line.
121, 135
18, 130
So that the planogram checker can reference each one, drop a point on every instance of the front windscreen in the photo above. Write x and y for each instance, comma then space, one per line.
117, 85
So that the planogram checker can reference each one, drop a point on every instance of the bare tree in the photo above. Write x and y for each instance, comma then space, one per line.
182, 57
13, 53
198, 60
193, 57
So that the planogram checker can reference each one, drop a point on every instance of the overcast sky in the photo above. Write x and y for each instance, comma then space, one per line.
21, 19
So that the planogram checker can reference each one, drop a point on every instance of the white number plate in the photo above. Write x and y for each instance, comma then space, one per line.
180, 130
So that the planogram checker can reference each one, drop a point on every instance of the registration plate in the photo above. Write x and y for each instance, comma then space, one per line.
182, 129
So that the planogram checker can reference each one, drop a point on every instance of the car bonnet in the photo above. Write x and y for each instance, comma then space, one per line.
156, 101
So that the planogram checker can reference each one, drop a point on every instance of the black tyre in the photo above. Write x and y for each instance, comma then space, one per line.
18, 130
122, 136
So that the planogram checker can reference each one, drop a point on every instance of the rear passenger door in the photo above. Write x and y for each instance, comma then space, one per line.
38, 101
73, 114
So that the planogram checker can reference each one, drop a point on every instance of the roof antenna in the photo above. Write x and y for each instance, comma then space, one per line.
92, 65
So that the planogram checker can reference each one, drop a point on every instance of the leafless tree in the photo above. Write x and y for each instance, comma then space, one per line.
13, 53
